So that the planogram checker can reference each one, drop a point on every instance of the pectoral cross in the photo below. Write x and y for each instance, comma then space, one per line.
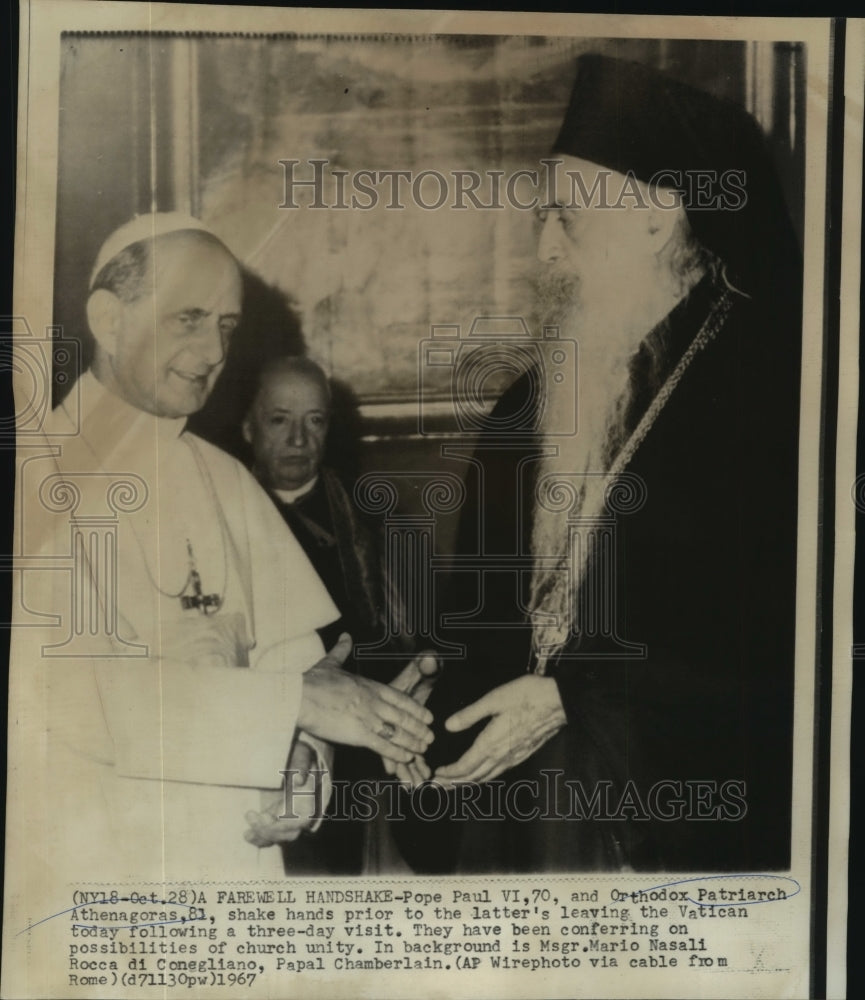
205, 603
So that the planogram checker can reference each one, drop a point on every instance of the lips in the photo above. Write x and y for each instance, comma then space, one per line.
191, 377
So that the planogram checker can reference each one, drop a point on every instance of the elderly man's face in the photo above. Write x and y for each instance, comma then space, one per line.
593, 258
171, 341
287, 429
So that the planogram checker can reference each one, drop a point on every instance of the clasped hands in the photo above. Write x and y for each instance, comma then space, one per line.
392, 719
342, 707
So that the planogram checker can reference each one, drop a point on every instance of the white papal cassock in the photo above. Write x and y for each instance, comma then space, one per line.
162, 735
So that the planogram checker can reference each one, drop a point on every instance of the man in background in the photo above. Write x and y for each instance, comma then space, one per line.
287, 428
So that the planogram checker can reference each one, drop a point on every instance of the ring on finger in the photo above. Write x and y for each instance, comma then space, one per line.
387, 731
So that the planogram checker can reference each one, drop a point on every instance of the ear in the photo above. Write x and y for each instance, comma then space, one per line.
246, 429
105, 317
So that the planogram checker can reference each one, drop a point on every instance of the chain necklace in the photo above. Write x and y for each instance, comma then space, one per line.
708, 331
204, 603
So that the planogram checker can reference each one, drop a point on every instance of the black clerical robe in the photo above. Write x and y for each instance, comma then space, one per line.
705, 581
344, 551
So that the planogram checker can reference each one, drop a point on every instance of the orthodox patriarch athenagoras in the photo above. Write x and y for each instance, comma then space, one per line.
628, 702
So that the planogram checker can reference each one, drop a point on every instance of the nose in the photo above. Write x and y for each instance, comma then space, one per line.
551, 240
211, 343
297, 434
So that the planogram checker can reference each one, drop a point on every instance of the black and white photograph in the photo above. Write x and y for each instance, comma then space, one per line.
420, 508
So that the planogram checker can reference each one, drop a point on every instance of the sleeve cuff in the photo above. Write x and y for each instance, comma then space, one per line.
323, 763
572, 691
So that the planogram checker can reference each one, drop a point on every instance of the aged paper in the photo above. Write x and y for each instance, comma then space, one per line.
377, 191
849, 501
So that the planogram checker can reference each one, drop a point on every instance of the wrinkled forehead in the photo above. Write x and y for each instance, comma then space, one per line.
575, 182
587, 169
572, 174
294, 387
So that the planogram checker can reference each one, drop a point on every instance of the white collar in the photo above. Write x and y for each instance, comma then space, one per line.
289, 496
109, 419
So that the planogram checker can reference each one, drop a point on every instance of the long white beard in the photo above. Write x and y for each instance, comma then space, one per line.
573, 479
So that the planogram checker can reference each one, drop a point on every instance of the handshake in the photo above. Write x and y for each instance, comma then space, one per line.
392, 720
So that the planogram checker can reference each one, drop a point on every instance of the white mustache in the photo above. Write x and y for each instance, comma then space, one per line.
556, 296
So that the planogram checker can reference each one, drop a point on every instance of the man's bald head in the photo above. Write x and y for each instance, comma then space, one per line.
293, 367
